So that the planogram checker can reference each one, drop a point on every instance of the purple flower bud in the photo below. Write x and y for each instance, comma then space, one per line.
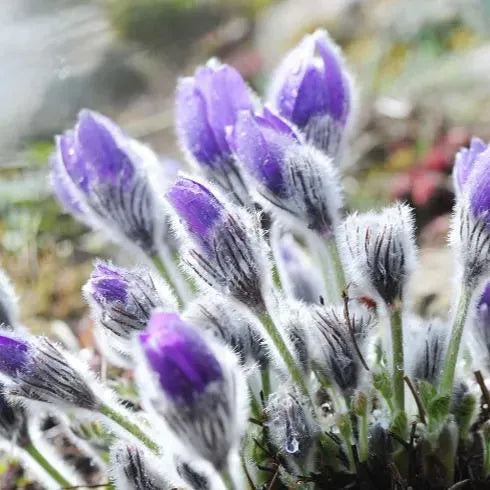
479, 187
38, 370
293, 180
312, 89
464, 163
225, 249
207, 105
262, 143
180, 358
197, 208
122, 300
14, 356
191, 382
101, 176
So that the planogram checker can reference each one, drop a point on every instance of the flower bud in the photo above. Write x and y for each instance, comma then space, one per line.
13, 421
191, 383
101, 176
290, 179
8, 302
313, 89
207, 104
291, 426
378, 250
230, 323
122, 300
224, 247
134, 469
38, 370
481, 330
464, 163
338, 344
300, 279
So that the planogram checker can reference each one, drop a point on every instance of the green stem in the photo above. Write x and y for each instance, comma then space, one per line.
45, 464
363, 438
447, 379
227, 480
129, 426
333, 253
397, 352
266, 382
287, 357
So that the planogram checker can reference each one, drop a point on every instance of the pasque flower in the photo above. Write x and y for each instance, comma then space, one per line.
192, 385
38, 370
122, 300
223, 246
289, 178
207, 105
313, 89
101, 176
464, 162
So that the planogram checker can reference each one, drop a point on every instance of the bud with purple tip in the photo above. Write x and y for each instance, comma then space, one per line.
38, 370
379, 251
191, 383
223, 246
101, 176
464, 162
122, 300
207, 105
290, 179
313, 89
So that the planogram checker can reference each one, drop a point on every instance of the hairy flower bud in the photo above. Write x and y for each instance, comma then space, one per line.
101, 176
464, 163
224, 247
8, 302
207, 104
300, 279
339, 344
38, 370
379, 251
291, 179
313, 89
229, 322
291, 426
192, 384
13, 421
134, 469
122, 300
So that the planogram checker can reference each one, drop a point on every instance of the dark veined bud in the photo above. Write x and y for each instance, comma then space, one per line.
207, 105
480, 323
38, 370
291, 426
313, 89
300, 279
193, 384
223, 246
8, 302
101, 176
135, 469
338, 344
470, 235
13, 421
122, 300
288, 178
195, 474
378, 250
427, 351
230, 322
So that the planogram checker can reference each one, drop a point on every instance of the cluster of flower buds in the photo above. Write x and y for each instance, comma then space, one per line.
260, 367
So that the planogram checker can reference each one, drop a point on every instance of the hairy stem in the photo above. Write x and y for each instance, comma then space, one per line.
363, 438
46, 465
447, 379
398, 359
123, 421
338, 269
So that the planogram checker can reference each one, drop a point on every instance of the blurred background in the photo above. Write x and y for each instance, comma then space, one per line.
422, 68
